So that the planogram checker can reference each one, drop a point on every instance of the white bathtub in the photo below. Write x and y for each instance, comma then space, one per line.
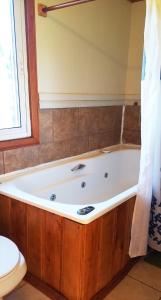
109, 179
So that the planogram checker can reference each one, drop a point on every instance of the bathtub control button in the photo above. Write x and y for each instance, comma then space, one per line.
53, 197
85, 210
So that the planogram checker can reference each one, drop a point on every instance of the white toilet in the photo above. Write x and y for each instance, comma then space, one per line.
12, 266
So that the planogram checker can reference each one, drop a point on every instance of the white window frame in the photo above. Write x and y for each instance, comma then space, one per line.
21, 50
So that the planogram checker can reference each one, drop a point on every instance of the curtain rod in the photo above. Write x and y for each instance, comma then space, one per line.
43, 9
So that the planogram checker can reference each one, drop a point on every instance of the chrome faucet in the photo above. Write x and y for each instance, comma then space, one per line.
78, 167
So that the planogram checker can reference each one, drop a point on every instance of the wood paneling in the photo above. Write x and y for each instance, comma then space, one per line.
72, 260
129, 216
18, 228
98, 254
104, 265
122, 235
52, 245
34, 240
76, 260
4, 216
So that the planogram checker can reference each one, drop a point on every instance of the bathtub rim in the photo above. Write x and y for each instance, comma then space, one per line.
90, 154
10, 190
64, 210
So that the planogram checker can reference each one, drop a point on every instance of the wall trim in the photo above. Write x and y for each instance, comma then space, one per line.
55, 100
131, 98
86, 103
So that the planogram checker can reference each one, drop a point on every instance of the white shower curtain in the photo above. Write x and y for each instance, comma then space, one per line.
148, 204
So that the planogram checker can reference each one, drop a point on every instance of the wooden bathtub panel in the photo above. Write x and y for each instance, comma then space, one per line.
18, 225
35, 218
120, 231
130, 210
98, 254
52, 245
5, 216
89, 258
104, 269
72, 260
122, 235
77, 260
92, 252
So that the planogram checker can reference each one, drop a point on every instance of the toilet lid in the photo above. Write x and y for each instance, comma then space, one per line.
9, 256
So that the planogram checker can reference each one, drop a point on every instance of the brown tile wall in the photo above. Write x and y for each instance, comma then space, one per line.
132, 120
1, 163
67, 132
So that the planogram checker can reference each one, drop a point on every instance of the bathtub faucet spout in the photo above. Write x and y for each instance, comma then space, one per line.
78, 167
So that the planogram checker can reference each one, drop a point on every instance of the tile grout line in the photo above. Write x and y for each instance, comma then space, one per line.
145, 284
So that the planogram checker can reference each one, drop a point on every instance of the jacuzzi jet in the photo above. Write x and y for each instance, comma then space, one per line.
83, 184
106, 175
53, 197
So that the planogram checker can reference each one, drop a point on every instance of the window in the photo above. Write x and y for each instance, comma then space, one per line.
18, 79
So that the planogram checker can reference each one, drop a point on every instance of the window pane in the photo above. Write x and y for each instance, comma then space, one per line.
9, 92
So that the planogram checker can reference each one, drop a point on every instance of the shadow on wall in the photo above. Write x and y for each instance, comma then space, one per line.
91, 44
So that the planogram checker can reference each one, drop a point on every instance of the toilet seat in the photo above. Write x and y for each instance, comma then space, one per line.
9, 256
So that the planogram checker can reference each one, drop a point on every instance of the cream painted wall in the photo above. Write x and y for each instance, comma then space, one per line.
82, 52
133, 82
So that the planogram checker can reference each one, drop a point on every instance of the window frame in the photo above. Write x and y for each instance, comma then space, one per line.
30, 29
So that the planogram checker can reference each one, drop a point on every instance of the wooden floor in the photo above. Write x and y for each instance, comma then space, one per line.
143, 282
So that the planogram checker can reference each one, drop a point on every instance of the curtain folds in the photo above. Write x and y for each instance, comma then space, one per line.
148, 203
